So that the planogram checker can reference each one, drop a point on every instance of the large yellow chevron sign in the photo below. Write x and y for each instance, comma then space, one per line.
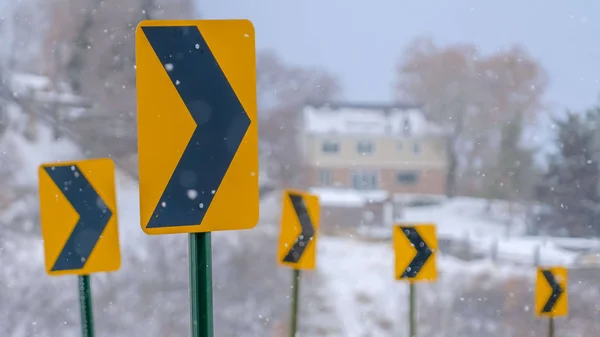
197, 125
78, 210
299, 226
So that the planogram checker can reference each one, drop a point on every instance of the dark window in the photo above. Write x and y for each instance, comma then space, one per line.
363, 180
416, 147
331, 147
407, 178
325, 177
406, 128
364, 147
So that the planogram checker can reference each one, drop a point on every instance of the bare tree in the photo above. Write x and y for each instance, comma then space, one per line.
471, 95
92, 47
22, 27
283, 90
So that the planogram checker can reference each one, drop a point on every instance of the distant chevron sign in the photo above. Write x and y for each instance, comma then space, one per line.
78, 213
551, 298
557, 290
299, 223
414, 248
423, 252
307, 232
198, 143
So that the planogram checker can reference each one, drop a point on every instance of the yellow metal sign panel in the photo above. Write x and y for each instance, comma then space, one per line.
78, 212
197, 125
299, 226
551, 299
415, 249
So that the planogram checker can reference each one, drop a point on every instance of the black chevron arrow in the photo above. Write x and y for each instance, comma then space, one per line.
307, 233
93, 216
557, 290
423, 252
221, 124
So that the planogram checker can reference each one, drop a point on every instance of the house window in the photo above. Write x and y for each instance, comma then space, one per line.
416, 147
399, 146
330, 147
365, 147
406, 126
407, 178
364, 180
325, 177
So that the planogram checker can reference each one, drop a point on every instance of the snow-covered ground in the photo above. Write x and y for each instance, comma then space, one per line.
467, 220
473, 222
460, 217
368, 300
357, 276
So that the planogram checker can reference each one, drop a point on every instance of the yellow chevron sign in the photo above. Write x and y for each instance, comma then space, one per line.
78, 211
415, 248
197, 125
551, 298
299, 226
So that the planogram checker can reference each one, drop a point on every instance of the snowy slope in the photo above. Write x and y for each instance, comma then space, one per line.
150, 288
459, 217
466, 219
149, 295
367, 298
484, 227
30, 154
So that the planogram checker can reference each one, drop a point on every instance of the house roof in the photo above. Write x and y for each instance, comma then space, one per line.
367, 118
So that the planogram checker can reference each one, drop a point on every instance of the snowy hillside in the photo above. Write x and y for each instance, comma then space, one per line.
468, 219
373, 303
352, 293
151, 286
484, 228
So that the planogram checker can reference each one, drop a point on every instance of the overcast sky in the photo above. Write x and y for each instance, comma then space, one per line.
360, 41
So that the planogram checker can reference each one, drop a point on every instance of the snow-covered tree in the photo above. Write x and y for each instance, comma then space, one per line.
570, 185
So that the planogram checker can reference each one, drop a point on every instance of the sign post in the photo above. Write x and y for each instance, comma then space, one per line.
201, 284
298, 241
295, 293
78, 212
415, 249
551, 298
412, 321
85, 304
197, 139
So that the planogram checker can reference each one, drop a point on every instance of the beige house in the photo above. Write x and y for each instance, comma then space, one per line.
373, 147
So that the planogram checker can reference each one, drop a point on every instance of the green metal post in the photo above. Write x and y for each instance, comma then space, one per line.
295, 292
85, 304
411, 311
551, 327
201, 285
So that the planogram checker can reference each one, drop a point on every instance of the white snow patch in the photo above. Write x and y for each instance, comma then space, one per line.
525, 250
30, 154
26, 81
459, 217
348, 197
